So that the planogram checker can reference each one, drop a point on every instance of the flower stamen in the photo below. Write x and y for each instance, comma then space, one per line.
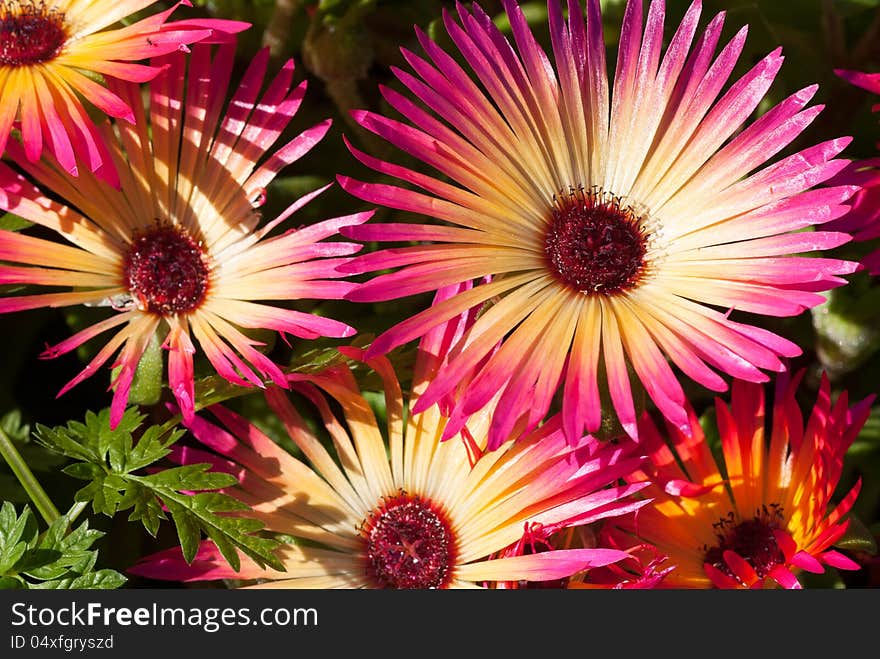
594, 243
166, 271
30, 33
408, 544
752, 539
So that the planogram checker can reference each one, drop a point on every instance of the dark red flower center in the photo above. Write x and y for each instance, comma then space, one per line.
166, 271
752, 539
409, 544
594, 243
30, 33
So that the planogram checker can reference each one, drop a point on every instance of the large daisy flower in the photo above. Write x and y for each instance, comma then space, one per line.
176, 250
762, 514
413, 513
48, 48
622, 222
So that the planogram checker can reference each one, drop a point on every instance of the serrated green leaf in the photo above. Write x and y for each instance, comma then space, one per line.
54, 559
99, 427
100, 580
53, 536
188, 531
47, 564
10, 555
116, 452
109, 460
189, 477
192, 513
146, 509
84, 471
11, 524
151, 447
94, 493
225, 546
61, 442
18, 533
216, 502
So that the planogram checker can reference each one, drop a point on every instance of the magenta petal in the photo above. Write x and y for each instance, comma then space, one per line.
681, 488
557, 564
839, 561
807, 562
719, 579
208, 565
786, 543
869, 81
740, 567
785, 578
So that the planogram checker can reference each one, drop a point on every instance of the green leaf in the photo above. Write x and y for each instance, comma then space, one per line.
60, 553
188, 531
85, 471
100, 580
57, 558
192, 477
17, 535
145, 509
110, 461
194, 513
858, 537
153, 445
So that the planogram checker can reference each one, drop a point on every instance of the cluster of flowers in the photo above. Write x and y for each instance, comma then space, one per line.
590, 234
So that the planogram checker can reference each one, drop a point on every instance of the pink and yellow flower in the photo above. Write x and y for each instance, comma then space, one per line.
409, 512
622, 222
176, 250
863, 220
762, 515
50, 51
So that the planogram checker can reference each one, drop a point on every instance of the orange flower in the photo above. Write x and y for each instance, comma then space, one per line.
772, 515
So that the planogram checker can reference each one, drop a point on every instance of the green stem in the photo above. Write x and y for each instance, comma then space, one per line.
26, 477
75, 511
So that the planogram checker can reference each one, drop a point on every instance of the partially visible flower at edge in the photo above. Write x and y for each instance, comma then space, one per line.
772, 516
49, 53
419, 513
177, 249
621, 223
863, 219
